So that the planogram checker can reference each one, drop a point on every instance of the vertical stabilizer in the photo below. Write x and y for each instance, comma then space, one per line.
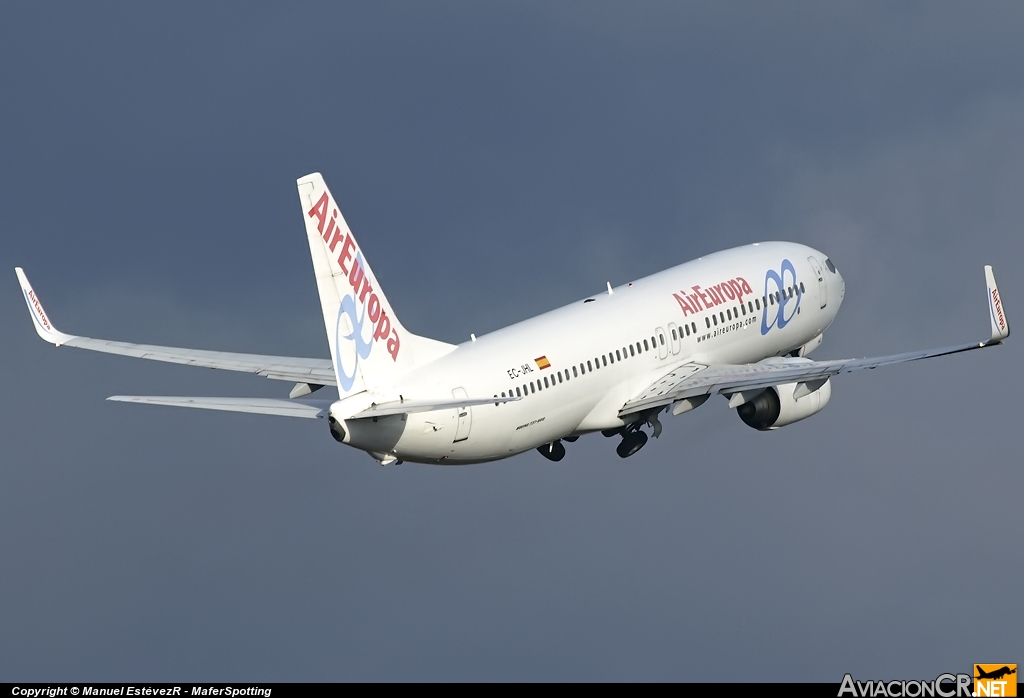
369, 346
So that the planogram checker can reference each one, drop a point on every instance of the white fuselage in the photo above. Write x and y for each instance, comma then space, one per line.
605, 349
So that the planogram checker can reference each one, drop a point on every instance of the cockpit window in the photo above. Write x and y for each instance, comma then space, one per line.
830, 265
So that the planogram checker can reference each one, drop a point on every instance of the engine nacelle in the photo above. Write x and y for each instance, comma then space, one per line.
776, 407
338, 430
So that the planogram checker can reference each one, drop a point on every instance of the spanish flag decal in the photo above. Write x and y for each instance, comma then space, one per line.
542, 362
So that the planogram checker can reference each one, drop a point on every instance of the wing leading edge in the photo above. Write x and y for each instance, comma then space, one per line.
286, 368
694, 379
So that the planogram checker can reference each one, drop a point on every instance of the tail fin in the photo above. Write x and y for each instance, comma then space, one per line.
369, 345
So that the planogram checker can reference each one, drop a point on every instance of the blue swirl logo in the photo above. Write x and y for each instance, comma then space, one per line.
362, 345
785, 310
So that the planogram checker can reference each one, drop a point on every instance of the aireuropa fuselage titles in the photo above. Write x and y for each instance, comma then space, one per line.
645, 310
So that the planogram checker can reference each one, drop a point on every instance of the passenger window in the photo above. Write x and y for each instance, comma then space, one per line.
646, 346
559, 377
674, 338
721, 316
574, 374
533, 388
750, 306
728, 313
687, 327
618, 355
693, 326
545, 381
757, 303
802, 289
518, 394
743, 310
654, 342
604, 361
708, 321
589, 366
771, 299
714, 319
631, 352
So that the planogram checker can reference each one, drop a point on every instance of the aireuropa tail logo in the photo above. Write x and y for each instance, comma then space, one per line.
995, 679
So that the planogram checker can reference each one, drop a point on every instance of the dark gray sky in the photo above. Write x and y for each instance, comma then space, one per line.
497, 160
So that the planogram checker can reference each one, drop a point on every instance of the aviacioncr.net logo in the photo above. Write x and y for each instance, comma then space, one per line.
782, 311
945, 686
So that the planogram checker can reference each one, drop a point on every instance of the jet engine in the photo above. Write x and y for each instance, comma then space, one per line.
784, 404
338, 430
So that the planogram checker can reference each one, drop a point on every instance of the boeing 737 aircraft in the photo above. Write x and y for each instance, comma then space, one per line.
737, 323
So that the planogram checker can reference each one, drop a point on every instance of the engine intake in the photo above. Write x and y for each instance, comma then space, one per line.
776, 407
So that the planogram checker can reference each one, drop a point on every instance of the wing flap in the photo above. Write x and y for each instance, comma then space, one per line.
307, 409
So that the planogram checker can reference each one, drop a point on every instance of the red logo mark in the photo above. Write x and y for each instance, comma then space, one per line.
998, 307
39, 310
357, 278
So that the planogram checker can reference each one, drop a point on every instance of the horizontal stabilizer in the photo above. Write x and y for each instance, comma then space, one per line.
307, 409
286, 368
386, 409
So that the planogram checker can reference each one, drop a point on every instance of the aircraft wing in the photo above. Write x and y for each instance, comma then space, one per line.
287, 368
742, 382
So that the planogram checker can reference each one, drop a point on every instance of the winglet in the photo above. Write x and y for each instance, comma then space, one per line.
44, 328
1000, 327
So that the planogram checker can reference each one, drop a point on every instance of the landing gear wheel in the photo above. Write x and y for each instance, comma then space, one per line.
571, 439
631, 443
553, 451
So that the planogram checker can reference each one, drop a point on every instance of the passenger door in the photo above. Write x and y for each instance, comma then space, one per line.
822, 288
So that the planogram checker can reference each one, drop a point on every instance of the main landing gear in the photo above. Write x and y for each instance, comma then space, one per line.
553, 451
633, 439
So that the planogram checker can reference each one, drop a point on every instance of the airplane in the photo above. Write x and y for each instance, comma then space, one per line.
737, 323
995, 674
